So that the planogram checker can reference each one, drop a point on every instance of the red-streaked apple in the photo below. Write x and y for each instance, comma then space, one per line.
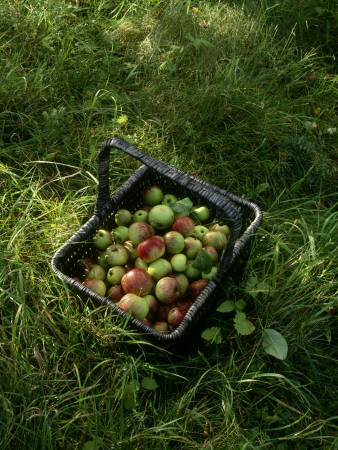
212, 252
123, 217
134, 304
217, 227
102, 239
117, 255
115, 293
179, 262
139, 232
161, 327
167, 290
185, 305
183, 282
115, 274
159, 268
163, 311
196, 287
151, 249
137, 281
175, 317
131, 249
147, 322
215, 239
152, 195
184, 225
161, 217
97, 286
174, 242
191, 247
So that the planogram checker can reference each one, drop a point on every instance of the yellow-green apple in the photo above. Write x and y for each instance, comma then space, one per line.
210, 274
192, 272
161, 327
153, 306
217, 227
97, 286
212, 252
137, 281
120, 234
159, 268
134, 304
140, 264
201, 212
139, 232
184, 225
215, 239
169, 199
183, 282
161, 217
117, 255
115, 293
151, 249
152, 195
191, 247
174, 242
131, 249
179, 262
200, 231
115, 274
95, 271
101, 260
196, 287
140, 216
102, 239
167, 290
123, 217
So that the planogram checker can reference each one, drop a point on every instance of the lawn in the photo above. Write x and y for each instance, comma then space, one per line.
239, 94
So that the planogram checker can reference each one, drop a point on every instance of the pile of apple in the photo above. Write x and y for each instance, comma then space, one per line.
157, 260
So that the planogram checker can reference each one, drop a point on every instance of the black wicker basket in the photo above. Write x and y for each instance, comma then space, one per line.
242, 217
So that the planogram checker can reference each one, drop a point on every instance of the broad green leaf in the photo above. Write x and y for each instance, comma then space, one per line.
274, 343
242, 325
240, 305
226, 306
149, 383
90, 445
129, 395
212, 334
253, 287
182, 206
203, 261
239, 317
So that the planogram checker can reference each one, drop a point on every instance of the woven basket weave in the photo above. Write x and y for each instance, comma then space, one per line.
242, 217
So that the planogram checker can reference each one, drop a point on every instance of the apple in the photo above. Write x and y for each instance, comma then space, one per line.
215, 239
102, 239
192, 273
129, 266
174, 242
191, 247
169, 199
217, 227
185, 305
183, 282
85, 263
161, 217
152, 302
152, 195
97, 286
151, 249
147, 322
115, 293
134, 304
179, 262
201, 212
167, 290
159, 268
101, 260
210, 274
196, 287
140, 264
200, 230
131, 249
123, 217
175, 317
139, 232
184, 225
95, 271
163, 311
115, 274
137, 281
212, 252
161, 327
120, 234
117, 255
140, 216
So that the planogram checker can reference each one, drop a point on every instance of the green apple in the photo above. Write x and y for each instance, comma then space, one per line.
152, 195
140, 216
200, 231
140, 264
101, 260
183, 282
215, 239
210, 274
159, 268
169, 199
123, 217
174, 242
134, 304
161, 217
139, 232
192, 272
117, 255
120, 234
96, 272
103, 239
115, 274
191, 247
97, 286
217, 227
201, 212
179, 262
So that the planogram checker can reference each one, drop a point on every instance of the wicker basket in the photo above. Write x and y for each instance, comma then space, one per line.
242, 217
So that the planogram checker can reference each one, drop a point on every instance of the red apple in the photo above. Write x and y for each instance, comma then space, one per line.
163, 311
134, 304
196, 287
185, 305
137, 281
161, 327
212, 252
167, 290
184, 225
115, 293
139, 232
151, 249
147, 322
175, 317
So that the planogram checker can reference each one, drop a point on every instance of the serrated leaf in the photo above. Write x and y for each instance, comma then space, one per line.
244, 327
240, 305
253, 287
182, 206
90, 445
212, 334
149, 383
239, 317
274, 343
226, 306
203, 261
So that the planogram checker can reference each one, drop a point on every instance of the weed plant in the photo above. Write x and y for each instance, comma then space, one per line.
241, 94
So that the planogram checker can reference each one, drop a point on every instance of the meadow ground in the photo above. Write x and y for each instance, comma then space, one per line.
240, 94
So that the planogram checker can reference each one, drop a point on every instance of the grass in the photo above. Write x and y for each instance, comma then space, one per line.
240, 94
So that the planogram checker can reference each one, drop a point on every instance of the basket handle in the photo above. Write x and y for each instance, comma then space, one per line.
169, 171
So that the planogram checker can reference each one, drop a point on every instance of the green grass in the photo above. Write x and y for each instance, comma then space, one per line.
241, 94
